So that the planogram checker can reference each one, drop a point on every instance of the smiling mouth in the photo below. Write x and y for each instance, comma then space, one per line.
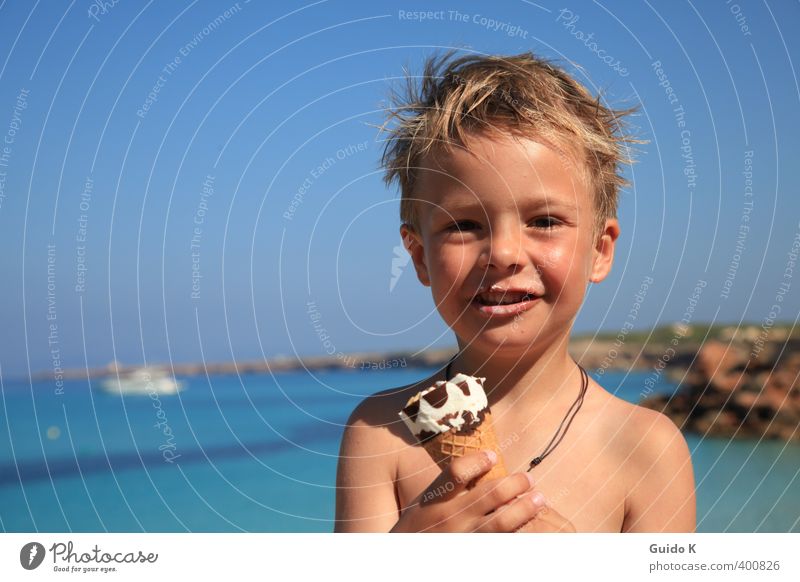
497, 298
506, 303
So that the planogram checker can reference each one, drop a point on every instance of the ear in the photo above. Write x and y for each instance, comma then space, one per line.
603, 253
412, 240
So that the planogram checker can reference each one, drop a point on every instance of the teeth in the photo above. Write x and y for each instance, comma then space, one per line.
501, 298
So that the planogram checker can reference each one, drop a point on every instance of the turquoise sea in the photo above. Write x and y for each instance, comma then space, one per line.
258, 453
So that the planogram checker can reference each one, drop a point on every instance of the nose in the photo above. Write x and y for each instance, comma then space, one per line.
504, 249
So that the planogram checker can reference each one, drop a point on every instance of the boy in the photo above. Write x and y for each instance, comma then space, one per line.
508, 173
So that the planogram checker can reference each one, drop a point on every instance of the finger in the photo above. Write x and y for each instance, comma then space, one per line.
497, 492
514, 515
457, 474
548, 520
465, 470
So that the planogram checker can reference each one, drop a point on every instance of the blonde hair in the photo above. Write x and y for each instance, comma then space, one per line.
523, 95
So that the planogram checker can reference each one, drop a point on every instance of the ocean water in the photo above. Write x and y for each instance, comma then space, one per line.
258, 453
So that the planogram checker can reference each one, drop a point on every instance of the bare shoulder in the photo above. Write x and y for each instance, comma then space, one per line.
656, 467
376, 416
639, 431
654, 440
371, 444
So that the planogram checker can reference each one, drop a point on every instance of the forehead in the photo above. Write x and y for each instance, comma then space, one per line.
501, 171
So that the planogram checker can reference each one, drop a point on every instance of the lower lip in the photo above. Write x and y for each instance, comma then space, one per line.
504, 310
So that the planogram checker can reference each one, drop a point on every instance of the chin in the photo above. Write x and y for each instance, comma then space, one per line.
496, 339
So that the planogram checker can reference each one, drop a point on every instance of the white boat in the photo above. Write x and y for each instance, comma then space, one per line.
144, 381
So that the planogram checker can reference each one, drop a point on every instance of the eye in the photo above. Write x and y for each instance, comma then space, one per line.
462, 226
545, 222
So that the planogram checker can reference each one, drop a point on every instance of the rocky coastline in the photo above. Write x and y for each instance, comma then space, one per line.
730, 391
733, 382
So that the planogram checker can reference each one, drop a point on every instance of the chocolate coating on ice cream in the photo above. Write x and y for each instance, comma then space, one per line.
459, 404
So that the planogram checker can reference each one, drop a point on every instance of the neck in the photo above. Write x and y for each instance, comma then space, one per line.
537, 378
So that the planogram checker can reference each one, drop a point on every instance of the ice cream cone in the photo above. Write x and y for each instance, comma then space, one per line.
443, 447
451, 419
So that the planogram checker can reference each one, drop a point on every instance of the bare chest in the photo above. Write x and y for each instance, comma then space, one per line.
582, 478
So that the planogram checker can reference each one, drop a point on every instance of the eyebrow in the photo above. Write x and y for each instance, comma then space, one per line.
564, 205
458, 206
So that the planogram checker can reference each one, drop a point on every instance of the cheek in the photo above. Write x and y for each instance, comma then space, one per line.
557, 258
561, 264
449, 267
450, 264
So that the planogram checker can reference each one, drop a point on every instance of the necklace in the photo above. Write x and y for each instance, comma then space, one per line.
571, 413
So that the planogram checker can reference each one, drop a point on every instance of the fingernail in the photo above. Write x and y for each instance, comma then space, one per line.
531, 481
537, 499
492, 456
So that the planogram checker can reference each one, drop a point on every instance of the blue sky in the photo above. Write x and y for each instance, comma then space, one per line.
196, 129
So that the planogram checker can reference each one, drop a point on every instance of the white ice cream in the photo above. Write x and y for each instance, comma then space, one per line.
450, 415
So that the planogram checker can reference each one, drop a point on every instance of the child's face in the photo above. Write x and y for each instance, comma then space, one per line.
525, 218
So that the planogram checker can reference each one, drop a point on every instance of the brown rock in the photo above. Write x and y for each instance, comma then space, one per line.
721, 364
724, 394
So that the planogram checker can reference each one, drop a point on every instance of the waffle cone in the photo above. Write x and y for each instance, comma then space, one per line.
452, 444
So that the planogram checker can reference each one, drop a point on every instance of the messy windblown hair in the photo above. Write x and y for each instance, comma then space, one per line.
522, 95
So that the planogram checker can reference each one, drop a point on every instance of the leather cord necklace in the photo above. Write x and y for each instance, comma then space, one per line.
568, 418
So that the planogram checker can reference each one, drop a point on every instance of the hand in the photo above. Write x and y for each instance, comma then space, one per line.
548, 520
497, 505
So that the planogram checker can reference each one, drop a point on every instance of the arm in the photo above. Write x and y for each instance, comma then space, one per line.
365, 496
661, 494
